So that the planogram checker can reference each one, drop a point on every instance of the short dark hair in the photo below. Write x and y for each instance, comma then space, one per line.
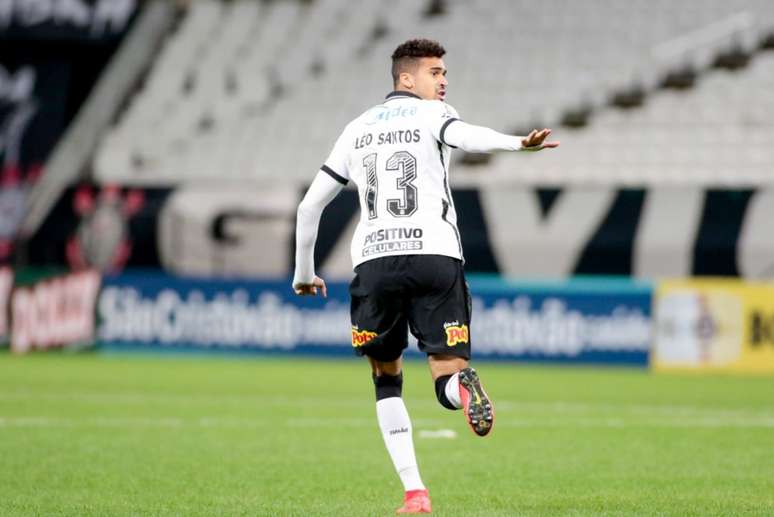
409, 52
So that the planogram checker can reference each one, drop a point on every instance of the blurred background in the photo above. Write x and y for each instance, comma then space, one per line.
154, 360
154, 152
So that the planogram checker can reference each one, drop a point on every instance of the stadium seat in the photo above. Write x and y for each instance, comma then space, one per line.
238, 84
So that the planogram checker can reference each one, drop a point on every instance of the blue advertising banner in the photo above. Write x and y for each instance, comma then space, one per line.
595, 321
154, 310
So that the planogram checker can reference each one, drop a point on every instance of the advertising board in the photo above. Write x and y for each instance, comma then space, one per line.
714, 324
53, 312
6, 284
563, 322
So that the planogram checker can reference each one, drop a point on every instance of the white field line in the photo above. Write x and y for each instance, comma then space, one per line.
363, 422
182, 398
518, 407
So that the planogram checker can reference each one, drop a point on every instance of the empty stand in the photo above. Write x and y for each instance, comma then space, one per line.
257, 91
711, 134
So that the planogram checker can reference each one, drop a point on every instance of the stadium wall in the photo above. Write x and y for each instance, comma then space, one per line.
513, 231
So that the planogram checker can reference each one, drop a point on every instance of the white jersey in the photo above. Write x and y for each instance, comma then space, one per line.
396, 155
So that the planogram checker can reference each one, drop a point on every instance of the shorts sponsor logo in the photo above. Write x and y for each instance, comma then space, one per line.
361, 337
456, 333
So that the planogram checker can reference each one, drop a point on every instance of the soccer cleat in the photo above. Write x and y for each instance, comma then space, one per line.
415, 501
478, 409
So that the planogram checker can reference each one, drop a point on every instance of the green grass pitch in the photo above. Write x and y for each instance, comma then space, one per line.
135, 435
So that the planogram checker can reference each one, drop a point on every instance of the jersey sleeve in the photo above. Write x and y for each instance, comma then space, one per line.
439, 116
321, 192
336, 165
480, 139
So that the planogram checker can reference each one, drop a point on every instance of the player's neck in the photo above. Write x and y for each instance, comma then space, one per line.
403, 92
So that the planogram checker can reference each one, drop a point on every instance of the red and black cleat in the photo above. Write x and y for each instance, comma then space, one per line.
478, 409
415, 501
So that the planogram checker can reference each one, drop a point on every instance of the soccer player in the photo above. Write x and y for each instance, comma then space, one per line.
406, 250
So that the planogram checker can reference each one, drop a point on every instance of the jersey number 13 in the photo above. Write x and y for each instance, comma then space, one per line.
403, 163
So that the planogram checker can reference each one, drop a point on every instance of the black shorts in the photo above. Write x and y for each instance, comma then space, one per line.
425, 293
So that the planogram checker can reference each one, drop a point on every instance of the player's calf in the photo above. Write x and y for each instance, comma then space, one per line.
447, 391
395, 425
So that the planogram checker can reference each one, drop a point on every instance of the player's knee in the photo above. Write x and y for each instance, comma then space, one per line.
440, 391
388, 385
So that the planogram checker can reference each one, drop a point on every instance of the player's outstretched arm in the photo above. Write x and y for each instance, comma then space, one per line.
480, 139
321, 192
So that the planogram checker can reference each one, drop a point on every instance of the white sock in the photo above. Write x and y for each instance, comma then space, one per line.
396, 429
452, 390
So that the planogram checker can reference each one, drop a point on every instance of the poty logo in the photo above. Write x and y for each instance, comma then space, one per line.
456, 334
361, 337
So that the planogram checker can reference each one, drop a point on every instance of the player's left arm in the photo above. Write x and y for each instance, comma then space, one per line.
446, 126
322, 191
480, 139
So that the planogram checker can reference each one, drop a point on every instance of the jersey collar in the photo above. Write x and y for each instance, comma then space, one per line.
400, 93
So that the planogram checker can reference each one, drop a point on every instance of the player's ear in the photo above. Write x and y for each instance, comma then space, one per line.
406, 80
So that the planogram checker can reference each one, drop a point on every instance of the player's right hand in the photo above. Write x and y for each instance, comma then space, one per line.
318, 284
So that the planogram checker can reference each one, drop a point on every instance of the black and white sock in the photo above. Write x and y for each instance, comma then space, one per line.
447, 389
